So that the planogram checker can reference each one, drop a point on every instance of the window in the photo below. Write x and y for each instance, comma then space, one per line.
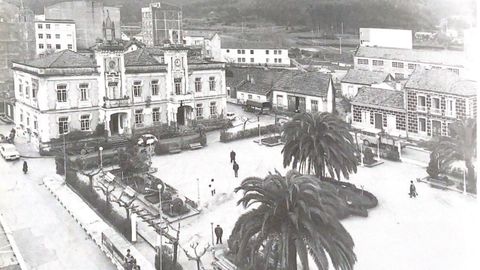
250, 96
411, 66
27, 91
213, 108
399, 76
267, 60
49, 46
20, 88
252, 60
58, 46
199, 110
40, 26
49, 36
397, 64
138, 117
274, 51
62, 125
251, 51
422, 125
178, 86
279, 60
70, 46
243, 51
275, 60
83, 91
421, 104
454, 70
137, 88
239, 51
28, 119
239, 60
211, 82
243, 60
35, 122
47, 26
156, 114
155, 88
279, 51
377, 62
62, 93
21, 116
436, 67
40, 36
435, 106
314, 105
57, 36
450, 107
362, 61
85, 122
40, 46
34, 88
279, 100
267, 52
198, 84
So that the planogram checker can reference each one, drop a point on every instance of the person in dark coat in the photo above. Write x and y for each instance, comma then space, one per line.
212, 187
232, 156
413, 191
218, 234
25, 167
235, 168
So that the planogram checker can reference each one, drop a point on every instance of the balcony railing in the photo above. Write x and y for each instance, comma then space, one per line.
436, 111
181, 96
116, 102
450, 113
421, 108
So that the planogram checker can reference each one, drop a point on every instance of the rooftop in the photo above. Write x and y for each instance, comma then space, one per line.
62, 59
391, 99
140, 57
307, 83
366, 77
439, 57
200, 33
259, 80
55, 21
231, 43
443, 81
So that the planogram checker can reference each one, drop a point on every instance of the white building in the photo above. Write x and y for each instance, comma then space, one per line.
254, 53
401, 63
355, 79
209, 42
54, 35
68, 91
298, 91
387, 38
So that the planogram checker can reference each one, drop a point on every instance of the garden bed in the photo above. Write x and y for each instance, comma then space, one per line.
272, 140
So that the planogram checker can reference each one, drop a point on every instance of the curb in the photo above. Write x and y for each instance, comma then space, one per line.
13, 244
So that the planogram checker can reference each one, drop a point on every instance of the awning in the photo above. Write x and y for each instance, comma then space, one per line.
257, 104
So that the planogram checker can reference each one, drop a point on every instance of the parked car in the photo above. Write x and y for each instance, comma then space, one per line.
9, 152
370, 138
147, 140
231, 116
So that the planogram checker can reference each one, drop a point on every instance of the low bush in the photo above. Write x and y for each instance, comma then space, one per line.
226, 136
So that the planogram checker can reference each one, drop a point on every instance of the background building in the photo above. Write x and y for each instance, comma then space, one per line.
254, 53
209, 42
387, 38
88, 17
55, 35
161, 23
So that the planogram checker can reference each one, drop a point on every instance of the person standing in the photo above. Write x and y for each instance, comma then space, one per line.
413, 190
218, 234
232, 156
235, 168
212, 187
25, 167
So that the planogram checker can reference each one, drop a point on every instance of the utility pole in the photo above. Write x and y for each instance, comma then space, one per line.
342, 27
340, 38
159, 250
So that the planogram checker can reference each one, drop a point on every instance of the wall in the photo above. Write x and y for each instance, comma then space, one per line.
242, 97
322, 103
400, 123
389, 38
65, 30
259, 56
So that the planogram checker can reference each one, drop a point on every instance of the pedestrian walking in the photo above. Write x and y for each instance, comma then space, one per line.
129, 258
218, 234
25, 167
212, 187
232, 156
235, 168
413, 190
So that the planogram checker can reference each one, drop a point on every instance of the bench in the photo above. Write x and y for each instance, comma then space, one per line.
130, 191
194, 146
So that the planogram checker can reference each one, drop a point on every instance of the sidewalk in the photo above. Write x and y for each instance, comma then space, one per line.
92, 224
10, 257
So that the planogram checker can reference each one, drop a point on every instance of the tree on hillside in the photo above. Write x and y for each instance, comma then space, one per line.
317, 143
294, 216
461, 145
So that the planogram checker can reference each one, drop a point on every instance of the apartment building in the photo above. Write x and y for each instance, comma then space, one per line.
209, 42
254, 53
54, 35
161, 23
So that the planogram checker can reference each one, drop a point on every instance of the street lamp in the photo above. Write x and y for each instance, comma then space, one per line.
361, 154
378, 147
211, 224
198, 193
101, 157
159, 250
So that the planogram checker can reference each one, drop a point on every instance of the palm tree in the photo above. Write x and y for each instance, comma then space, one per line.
295, 216
461, 145
317, 143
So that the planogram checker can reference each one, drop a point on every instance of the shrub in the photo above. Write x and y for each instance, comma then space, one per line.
432, 168
226, 136
368, 156
177, 205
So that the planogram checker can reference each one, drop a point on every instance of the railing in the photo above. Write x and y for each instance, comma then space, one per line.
435, 111
421, 108
116, 102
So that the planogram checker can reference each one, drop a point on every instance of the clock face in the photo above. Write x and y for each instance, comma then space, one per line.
112, 64
177, 62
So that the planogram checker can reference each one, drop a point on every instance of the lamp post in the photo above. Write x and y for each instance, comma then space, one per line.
259, 134
464, 179
378, 147
340, 38
101, 156
198, 192
159, 239
361, 154
211, 224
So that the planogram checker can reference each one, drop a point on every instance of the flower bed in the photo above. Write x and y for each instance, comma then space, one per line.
226, 136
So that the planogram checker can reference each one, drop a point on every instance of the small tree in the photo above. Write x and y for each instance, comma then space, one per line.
106, 188
90, 173
433, 168
132, 162
198, 255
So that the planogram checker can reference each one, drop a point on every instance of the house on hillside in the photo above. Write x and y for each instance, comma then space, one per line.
356, 78
208, 41
261, 53
297, 91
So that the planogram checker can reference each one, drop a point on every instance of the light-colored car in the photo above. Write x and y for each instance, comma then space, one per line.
231, 116
9, 152
147, 140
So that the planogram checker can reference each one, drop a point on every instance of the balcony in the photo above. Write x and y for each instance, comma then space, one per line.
116, 102
436, 111
421, 108
187, 96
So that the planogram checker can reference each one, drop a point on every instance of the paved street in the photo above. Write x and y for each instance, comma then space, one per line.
47, 237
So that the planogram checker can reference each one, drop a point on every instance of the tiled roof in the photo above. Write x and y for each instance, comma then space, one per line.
200, 33
443, 81
365, 77
439, 57
62, 59
378, 97
306, 83
234, 43
140, 57
260, 81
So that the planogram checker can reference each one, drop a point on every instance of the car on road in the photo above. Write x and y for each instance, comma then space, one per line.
9, 152
231, 116
147, 140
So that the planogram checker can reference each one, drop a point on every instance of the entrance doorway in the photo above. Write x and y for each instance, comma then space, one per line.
296, 104
183, 115
436, 128
378, 121
117, 123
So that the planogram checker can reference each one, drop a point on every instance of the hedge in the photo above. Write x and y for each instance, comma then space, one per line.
226, 136
162, 147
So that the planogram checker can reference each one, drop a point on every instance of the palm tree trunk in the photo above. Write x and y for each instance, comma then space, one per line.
292, 255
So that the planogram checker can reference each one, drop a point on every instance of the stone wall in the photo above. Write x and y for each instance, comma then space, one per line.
400, 116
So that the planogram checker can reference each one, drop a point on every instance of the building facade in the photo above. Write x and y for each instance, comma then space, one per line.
387, 38
401, 63
88, 16
54, 35
209, 42
126, 92
161, 23
356, 79
254, 53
